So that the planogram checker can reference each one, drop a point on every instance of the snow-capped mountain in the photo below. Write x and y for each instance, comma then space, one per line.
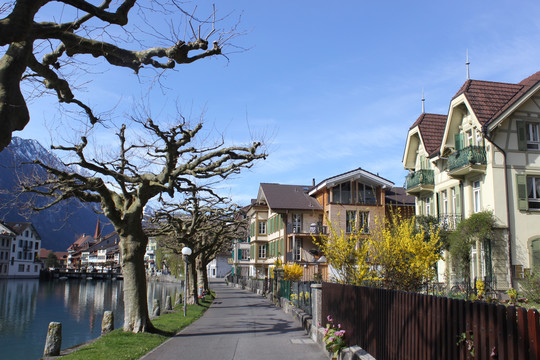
58, 226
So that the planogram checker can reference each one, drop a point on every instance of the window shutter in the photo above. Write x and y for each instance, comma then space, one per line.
522, 135
458, 201
239, 254
457, 141
536, 254
523, 201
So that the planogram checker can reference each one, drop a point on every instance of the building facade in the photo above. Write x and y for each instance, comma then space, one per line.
484, 155
24, 248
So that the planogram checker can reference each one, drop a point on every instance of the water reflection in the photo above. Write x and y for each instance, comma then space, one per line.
28, 306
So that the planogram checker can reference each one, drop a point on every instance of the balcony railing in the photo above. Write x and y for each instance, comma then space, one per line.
420, 177
314, 228
449, 222
471, 155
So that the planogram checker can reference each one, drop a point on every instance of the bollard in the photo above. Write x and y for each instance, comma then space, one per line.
178, 299
168, 306
107, 324
156, 309
54, 340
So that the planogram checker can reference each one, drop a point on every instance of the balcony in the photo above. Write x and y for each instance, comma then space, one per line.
449, 222
314, 229
420, 181
470, 160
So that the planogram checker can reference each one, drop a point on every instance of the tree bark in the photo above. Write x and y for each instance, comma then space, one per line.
193, 282
133, 243
204, 274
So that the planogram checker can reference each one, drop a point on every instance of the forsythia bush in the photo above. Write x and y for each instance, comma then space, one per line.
394, 253
293, 272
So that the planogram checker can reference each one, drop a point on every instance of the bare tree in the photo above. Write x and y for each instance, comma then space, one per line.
123, 188
59, 43
206, 224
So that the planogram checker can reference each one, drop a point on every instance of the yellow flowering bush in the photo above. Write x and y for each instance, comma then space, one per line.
293, 271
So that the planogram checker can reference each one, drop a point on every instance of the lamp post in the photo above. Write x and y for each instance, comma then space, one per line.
185, 252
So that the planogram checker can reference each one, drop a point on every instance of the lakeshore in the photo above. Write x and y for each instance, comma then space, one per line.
27, 306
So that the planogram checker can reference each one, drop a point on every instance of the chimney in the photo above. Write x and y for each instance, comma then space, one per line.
313, 181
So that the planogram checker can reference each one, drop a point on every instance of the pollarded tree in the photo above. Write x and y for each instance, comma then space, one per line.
124, 184
44, 51
204, 223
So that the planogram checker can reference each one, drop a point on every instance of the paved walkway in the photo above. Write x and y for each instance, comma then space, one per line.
240, 325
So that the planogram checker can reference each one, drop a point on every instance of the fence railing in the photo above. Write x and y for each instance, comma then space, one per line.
298, 292
397, 325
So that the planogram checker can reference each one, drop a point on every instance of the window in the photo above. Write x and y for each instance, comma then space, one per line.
244, 254
262, 227
469, 138
476, 196
363, 221
36, 245
341, 194
21, 267
533, 142
19, 255
350, 221
533, 192
366, 194
428, 206
20, 243
454, 201
297, 223
262, 251
298, 251
444, 196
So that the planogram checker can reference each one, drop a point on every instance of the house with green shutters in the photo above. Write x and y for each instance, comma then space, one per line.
282, 222
483, 155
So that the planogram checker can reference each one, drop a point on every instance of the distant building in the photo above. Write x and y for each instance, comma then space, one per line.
61, 257
220, 266
7, 238
22, 244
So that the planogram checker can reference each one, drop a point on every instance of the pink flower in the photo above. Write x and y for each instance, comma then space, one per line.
331, 339
339, 326
340, 333
329, 318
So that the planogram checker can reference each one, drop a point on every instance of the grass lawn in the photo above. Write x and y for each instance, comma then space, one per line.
121, 345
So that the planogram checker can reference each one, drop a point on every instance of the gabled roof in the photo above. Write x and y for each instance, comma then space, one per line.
288, 197
359, 173
487, 97
6, 231
399, 196
83, 240
19, 228
431, 129
490, 99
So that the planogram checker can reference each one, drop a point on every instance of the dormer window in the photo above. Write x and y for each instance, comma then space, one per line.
354, 193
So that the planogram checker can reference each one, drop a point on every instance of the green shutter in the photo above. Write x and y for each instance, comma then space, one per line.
522, 198
457, 141
535, 245
522, 135
266, 250
458, 200
239, 254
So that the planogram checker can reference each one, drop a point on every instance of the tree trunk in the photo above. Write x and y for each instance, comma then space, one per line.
194, 298
133, 243
204, 274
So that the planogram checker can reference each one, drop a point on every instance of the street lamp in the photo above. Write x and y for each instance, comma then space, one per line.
185, 252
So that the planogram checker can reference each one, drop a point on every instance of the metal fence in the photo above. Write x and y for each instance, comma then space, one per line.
298, 292
398, 325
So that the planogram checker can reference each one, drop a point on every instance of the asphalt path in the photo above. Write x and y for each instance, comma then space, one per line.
240, 325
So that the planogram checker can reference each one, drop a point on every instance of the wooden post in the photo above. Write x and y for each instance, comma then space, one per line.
156, 308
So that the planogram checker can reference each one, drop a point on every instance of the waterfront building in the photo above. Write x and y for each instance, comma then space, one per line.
23, 251
7, 236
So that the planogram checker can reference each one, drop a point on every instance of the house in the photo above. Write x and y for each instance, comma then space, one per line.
240, 254
23, 244
282, 221
61, 256
220, 266
105, 254
150, 255
483, 155
354, 200
7, 238
285, 219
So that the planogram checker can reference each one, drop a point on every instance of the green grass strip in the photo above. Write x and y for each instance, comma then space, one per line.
125, 345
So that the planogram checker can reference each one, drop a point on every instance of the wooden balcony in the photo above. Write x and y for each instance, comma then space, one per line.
468, 161
421, 181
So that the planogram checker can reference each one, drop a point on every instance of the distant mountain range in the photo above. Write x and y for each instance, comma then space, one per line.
58, 226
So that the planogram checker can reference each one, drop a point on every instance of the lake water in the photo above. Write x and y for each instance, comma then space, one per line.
28, 306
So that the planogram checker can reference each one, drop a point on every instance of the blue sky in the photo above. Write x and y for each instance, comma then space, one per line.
329, 87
